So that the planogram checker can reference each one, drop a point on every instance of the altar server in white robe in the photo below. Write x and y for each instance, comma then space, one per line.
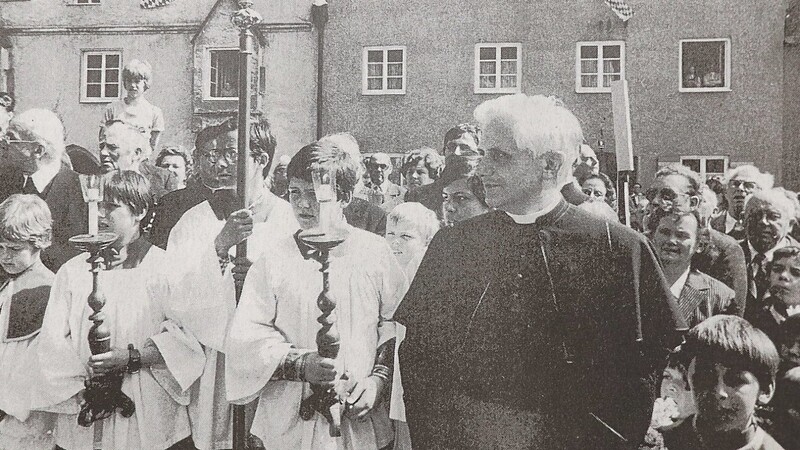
25, 229
158, 358
203, 243
271, 348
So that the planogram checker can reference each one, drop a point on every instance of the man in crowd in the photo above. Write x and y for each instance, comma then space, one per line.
585, 166
768, 218
380, 190
679, 189
542, 333
32, 152
460, 142
742, 182
125, 148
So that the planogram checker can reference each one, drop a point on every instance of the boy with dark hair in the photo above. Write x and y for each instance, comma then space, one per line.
731, 367
271, 347
157, 359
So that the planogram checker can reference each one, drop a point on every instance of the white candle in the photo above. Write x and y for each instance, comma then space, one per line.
93, 225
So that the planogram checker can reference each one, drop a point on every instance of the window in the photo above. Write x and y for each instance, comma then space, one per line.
384, 70
102, 77
497, 68
597, 64
704, 65
221, 80
706, 166
87, 2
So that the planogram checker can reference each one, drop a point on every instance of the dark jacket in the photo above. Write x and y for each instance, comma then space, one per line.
541, 324
703, 297
170, 209
723, 259
70, 213
365, 215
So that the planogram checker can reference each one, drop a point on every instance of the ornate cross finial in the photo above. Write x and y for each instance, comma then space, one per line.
245, 17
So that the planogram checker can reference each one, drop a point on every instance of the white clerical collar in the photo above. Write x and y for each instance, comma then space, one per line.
730, 222
42, 177
678, 285
768, 254
527, 219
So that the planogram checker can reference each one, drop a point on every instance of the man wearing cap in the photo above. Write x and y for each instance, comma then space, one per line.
32, 151
380, 190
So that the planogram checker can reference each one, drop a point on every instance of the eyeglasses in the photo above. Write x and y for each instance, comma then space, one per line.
668, 198
9, 139
746, 185
594, 193
231, 155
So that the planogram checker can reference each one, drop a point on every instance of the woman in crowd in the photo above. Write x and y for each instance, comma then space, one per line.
463, 195
422, 167
599, 187
177, 161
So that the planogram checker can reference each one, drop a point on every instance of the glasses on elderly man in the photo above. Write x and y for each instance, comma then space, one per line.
231, 155
9, 138
746, 185
669, 199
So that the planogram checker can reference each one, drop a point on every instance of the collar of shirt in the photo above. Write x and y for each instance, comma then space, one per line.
730, 222
527, 219
678, 285
42, 177
768, 254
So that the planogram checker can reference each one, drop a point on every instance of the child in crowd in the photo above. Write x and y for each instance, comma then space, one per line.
732, 367
786, 416
271, 349
156, 358
409, 229
134, 109
782, 300
25, 229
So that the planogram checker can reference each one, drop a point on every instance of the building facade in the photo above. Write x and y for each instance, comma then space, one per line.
706, 79
67, 55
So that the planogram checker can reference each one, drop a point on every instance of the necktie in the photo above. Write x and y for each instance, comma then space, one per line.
29, 187
376, 194
738, 232
760, 280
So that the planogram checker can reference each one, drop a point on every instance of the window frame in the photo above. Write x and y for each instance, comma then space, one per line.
85, 53
86, 2
726, 87
600, 89
207, 73
384, 74
477, 89
704, 161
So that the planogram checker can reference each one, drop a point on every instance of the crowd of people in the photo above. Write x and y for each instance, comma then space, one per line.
489, 299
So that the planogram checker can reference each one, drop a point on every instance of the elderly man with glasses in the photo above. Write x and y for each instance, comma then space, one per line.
678, 188
741, 183
32, 151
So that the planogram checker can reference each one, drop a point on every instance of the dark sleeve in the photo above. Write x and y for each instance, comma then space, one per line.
732, 270
70, 218
163, 220
380, 222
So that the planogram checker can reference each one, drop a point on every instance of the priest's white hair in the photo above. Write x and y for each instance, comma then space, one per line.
44, 126
539, 125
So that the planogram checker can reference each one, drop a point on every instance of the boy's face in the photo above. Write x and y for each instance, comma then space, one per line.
459, 203
790, 353
725, 397
784, 280
305, 205
16, 256
404, 240
117, 218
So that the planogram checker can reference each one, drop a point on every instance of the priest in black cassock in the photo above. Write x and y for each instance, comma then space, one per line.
536, 325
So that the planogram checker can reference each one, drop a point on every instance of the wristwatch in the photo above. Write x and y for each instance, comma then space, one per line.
134, 360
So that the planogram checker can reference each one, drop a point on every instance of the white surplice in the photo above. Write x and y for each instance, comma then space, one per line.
278, 311
198, 274
21, 429
139, 307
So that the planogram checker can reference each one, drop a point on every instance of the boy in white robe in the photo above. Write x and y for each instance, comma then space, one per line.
25, 229
271, 348
158, 359
203, 243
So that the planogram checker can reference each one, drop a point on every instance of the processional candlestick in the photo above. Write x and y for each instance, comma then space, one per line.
103, 394
326, 236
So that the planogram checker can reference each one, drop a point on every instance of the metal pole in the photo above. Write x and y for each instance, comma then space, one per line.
244, 19
319, 15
